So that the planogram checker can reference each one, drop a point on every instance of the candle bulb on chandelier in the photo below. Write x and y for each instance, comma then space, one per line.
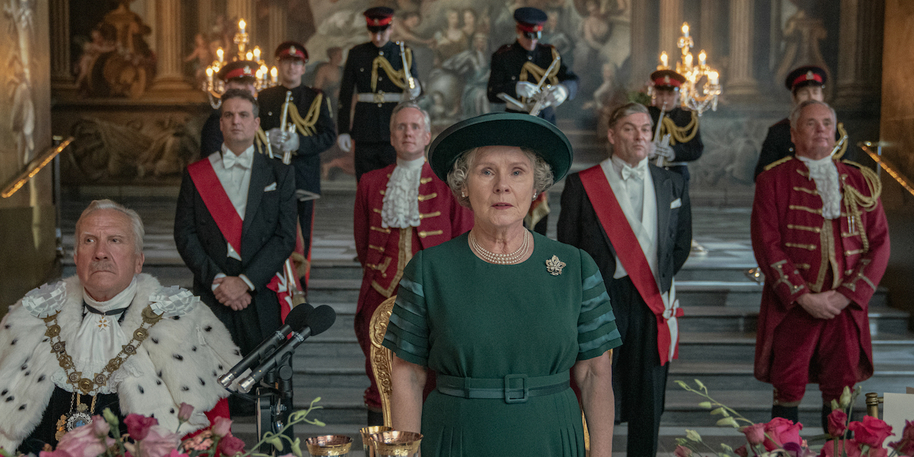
249, 55
273, 74
702, 56
257, 53
664, 59
688, 60
241, 25
713, 77
685, 29
219, 53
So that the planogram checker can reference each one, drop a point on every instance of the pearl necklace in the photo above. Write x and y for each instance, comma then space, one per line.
500, 259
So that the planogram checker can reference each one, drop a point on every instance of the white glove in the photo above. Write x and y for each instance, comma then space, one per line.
556, 95
664, 150
525, 89
345, 142
291, 144
415, 92
282, 140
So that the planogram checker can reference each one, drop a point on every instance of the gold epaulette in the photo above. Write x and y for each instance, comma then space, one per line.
679, 135
398, 77
872, 179
777, 162
305, 125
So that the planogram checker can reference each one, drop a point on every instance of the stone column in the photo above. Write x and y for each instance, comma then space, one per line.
670, 28
709, 21
205, 17
168, 47
740, 82
643, 58
860, 56
244, 9
276, 32
61, 77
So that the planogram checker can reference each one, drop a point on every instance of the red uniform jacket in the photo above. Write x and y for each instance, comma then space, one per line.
442, 218
800, 252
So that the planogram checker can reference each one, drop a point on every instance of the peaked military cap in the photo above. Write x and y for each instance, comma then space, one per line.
239, 69
530, 19
667, 79
808, 75
292, 50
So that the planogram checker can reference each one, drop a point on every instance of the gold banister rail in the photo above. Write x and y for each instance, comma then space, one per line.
882, 163
33, 167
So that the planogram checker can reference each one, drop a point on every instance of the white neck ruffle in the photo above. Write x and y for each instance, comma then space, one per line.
401, 200
825, 174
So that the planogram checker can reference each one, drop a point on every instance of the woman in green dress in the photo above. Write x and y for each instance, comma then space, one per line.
504, 316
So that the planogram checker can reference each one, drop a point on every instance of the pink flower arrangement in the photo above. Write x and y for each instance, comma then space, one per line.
781, 437
146, 438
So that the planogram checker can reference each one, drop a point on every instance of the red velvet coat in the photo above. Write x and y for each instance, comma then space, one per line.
798, 251
442, 218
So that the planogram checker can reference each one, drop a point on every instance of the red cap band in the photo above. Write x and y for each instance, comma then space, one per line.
239, 73
293, 51
524, 27
667, 81
378, 21
809, 76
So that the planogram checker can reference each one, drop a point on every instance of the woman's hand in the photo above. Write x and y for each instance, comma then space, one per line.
594, 377
407, 384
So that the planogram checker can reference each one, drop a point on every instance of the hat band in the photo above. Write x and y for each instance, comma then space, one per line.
803, 79
662, 82
237, 73
525, 27
378, 21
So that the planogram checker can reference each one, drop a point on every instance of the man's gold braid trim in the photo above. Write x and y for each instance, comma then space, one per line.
854, 200
531, 69
75, 378
305, 125
262, 138
678, 134
397, 77
841, 133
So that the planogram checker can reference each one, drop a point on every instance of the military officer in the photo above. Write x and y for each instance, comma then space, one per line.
518, 67
374, 76
683, 144
308, 130
239, 74
804, 83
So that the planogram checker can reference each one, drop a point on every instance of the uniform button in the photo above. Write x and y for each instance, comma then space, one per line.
361, 69
269, 113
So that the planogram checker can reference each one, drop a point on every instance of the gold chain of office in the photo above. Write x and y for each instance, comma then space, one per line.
75, 378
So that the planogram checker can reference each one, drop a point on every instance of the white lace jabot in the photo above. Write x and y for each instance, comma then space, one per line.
401, 201
825, 174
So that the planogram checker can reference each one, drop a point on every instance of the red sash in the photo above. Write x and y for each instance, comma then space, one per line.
631, 256
222, 210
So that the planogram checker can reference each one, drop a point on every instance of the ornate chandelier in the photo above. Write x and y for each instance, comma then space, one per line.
264, 77
702, 86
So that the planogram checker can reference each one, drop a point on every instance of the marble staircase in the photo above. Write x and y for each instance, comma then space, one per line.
717, 343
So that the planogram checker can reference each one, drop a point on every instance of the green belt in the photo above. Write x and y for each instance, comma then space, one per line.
513, 388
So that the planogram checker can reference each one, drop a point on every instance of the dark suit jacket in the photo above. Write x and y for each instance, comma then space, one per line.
578, 226
267, 238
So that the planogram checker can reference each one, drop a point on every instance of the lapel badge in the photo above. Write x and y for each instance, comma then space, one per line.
554, 266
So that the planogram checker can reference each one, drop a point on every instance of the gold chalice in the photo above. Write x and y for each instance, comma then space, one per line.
366, 437
396, 444
328, 445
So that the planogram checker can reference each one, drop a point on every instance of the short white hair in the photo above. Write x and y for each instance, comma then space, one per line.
135, 222
798, 111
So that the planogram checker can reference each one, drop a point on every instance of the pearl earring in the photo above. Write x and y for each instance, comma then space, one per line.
463, 194
534, 195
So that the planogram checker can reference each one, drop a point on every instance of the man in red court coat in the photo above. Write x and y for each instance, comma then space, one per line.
820, 237
399, 210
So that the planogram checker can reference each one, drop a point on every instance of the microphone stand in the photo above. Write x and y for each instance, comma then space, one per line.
274, 402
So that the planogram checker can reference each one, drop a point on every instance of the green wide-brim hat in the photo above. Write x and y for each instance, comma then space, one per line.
501, 129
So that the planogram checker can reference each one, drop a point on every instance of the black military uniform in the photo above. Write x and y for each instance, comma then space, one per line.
682, 126
211, 134
310, 111
778, 144
512, 63
375, 77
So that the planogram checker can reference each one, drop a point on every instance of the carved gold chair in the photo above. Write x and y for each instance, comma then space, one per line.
382, 362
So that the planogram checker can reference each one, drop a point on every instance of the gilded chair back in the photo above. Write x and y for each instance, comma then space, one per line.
381, 357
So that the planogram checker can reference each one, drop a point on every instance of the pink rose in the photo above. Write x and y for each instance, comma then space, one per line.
222, 426
158, 442
83, 441
782, 431
871, 432
682, 451
905, 446
138, 425
184, 412
230, 445
741, 451
829, 449
837, 423
755, 433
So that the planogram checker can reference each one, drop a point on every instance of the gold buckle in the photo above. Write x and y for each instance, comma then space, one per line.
379, 97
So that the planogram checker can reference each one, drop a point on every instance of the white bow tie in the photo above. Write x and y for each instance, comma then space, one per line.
629, 172
229, 160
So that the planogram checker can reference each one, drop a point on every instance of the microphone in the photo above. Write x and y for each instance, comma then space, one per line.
297, 319
319, 321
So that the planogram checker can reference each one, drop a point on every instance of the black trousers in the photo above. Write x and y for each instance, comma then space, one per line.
372, 156
639, 381
306, 219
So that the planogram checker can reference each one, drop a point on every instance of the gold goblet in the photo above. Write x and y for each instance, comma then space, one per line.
328, 445
396, 444
366, 437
